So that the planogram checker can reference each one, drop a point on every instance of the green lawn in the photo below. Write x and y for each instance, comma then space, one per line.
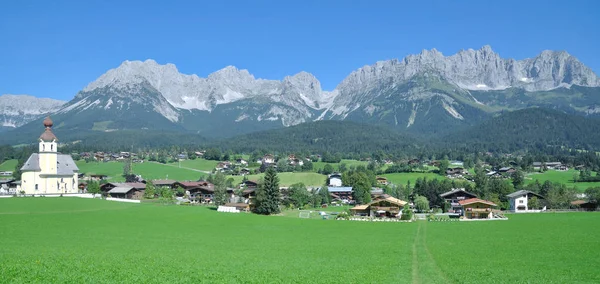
565, 177
198, 164
287, 179
8, 165
336, 166
71, 240
403, 178
148, 170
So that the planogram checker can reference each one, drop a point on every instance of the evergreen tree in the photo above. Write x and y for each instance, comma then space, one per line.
327, 169
220, 193
444, 164
267, 195
93, 187
518, 179
324, 193
361, 188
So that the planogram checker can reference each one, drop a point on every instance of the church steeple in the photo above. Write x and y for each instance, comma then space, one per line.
48, 139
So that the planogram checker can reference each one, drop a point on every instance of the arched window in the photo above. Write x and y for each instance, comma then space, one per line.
51, 147
43, 147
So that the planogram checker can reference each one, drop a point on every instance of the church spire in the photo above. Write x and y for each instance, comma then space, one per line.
48, 136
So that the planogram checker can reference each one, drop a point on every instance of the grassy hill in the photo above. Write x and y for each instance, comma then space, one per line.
287, 179
565, 177
176, 244
148, 170
8, 165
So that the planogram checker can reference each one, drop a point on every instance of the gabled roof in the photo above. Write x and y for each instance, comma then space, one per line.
32, 164
163, 182
475, 200
392, 200
65, 165
457, 190
340, 189
523, 192
121, 189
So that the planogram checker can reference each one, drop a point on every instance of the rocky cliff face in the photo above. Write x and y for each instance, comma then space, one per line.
17, 110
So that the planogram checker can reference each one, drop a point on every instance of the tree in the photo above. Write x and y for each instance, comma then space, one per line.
212, 154
307, 166
150, 191
220, 193
407, 213
93, 187
593, 194
267, 195
343, 167
327, 169
575, 177
361, 188
421, 203
444, 164
533, 203
299, 195
165, 192
518, 179
324, 193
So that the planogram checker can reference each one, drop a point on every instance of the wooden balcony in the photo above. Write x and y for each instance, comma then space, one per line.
384, 208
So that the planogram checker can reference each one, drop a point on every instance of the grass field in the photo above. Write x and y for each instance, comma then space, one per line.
198, 164
336, 166
565, 177
71, 240
403, 178
148, 170
8, 165
287, 179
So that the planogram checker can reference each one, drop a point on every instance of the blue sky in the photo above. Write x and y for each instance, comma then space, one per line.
55, 48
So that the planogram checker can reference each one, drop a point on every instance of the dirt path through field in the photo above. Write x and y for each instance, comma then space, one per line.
424, 267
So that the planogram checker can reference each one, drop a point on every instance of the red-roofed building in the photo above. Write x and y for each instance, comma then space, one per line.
475, 208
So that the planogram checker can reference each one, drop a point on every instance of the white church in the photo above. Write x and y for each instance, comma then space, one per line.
49, 172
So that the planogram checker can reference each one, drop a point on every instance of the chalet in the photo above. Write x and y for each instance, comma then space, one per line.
456, 195
5, 186
268, 159
98, 177
382, 180
199, 153
548, 165
414, 162
343, 193
585, 205
506, 170
82, 186
241, 162
223, 166
335, 179
384, 206
457, 163
455, 171
519, 200
475, 208
165, 183
182, 156
244, 171
296, 162
250, 184
130, 190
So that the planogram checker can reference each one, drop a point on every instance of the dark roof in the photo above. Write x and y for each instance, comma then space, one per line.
64, 164
160, 182
523, 192
457, 190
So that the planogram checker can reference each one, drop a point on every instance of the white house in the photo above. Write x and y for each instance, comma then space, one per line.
268, 159
335, 180
519, 201
49, 172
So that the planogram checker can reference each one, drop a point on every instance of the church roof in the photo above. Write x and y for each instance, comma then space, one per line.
65, 165
32, 164
48, 136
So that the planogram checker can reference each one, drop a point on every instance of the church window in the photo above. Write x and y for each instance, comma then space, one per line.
51, 147
43, 147
36, 186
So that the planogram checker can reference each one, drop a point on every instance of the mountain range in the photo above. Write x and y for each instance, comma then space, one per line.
427, 94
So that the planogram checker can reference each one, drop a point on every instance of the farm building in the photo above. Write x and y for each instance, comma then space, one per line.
384, 206
475, 208
335, 180
519, 200
165, 183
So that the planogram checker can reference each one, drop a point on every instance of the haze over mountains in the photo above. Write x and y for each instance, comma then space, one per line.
426, 93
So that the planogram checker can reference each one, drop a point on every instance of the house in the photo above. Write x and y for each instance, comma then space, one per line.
203, 192
456, 163
562, 168
6, 173
414, 162
250, 184
553, 165
384, 206
268, 159
344, 193
9, 186
475, 208
376, 191
49, 172
241, 162
130, 190
519, 201
95, 177
455, 171
222, 166
382, 180
547, 165
506, 170
335, 179
164, 183
243, 207
454, 196
585, 205
244, 171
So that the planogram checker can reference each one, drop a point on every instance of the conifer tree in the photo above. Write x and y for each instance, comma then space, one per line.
220, 189
267, 195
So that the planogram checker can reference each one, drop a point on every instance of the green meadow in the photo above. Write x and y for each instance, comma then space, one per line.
287, 179
148, 170
565, 177
403, 178
336, 166
198, 164
71, 240
8, 165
